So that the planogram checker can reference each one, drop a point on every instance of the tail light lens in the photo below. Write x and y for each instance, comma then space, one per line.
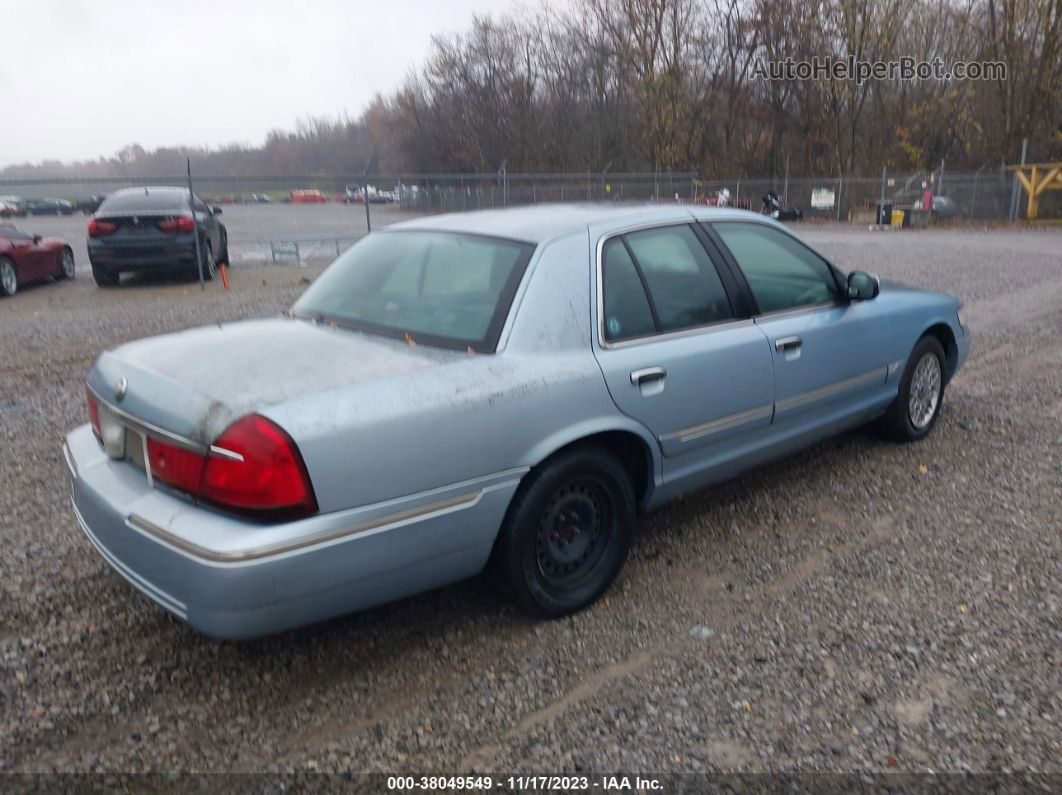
254, 468
182, 223
94, 414
101, 228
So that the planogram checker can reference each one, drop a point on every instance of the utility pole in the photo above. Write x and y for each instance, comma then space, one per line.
195, 223
365, 195
1014, 184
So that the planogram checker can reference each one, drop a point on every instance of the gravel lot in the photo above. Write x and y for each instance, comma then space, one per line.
860, 607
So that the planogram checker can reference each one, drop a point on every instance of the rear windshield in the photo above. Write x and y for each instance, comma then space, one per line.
168, 201
443, 289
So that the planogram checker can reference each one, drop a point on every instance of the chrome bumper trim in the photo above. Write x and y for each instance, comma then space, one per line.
70, 461
194, 550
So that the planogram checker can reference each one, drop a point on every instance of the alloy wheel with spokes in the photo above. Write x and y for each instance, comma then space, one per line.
919, 394
924, 390
8, 277
67, 271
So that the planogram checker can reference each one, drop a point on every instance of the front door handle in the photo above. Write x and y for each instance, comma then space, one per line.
638, 377
787, 343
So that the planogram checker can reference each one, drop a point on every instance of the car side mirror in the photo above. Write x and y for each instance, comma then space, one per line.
215, 210
37, 239
863, 286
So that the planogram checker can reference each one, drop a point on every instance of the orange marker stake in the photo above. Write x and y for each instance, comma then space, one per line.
225, 275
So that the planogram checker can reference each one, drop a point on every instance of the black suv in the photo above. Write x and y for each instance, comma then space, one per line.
153, 229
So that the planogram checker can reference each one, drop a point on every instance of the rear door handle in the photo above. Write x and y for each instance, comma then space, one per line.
638, 377
787, 343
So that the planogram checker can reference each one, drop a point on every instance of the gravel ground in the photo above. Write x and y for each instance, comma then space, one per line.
862, 606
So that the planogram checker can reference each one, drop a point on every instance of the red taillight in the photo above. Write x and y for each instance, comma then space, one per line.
101, 228
254, 469
270, 477
94, 413
180, 468
182, 223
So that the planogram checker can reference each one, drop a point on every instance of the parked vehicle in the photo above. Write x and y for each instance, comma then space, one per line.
356, 193
12, 207
308, 197
145, 229
772, 207
501, 389
49, 207
26, 257
90, 205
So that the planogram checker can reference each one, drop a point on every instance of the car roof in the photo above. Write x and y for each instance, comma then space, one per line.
543, 222
149, 189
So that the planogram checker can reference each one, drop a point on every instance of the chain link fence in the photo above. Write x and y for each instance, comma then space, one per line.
310, 218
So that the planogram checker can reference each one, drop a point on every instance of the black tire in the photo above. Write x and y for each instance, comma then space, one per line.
210, 265
224, 258
104, 277
897, 423
8, 277
567, 531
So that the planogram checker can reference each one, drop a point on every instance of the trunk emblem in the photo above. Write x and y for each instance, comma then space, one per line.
120, 389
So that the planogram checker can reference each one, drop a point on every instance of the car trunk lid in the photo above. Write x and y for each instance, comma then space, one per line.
195, 383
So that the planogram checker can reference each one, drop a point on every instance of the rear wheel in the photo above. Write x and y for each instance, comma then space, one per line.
104, 277
66, 269
8, 277
210, 267
916, 408
567, 532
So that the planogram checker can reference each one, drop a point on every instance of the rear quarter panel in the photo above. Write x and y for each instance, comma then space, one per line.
473, 417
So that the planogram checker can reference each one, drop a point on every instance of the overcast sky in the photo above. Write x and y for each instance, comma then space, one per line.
83, 78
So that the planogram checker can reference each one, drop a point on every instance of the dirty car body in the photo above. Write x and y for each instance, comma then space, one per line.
418, 426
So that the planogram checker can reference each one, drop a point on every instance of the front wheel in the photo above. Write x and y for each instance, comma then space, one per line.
567, 532
8, 277
916, 408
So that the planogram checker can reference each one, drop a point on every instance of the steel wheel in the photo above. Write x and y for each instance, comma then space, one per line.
8, 277
925, 390
67, 271
573, 532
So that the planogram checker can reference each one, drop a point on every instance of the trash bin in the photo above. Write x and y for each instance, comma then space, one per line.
885, 213
899, 219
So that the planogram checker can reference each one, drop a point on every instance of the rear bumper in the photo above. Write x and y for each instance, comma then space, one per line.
142, 257
235, 579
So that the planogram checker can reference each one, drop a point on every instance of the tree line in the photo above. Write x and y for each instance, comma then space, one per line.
647, 85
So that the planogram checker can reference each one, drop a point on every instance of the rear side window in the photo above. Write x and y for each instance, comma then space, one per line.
782, 272
165, 201
660, 280
627, 311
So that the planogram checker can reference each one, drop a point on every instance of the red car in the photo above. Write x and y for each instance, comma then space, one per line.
25, 257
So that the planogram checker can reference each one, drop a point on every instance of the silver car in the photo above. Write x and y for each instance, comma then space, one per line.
503, 390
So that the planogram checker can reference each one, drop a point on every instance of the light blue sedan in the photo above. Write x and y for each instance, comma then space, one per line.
502, 390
